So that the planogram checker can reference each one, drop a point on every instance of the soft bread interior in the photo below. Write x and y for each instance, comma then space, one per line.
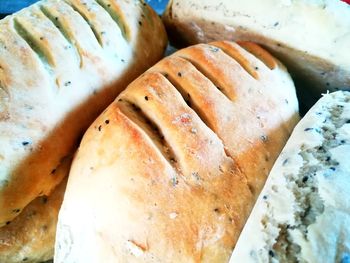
303, 211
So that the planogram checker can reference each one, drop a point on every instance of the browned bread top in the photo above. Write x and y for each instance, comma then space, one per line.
61, 64
310, 37
170, 170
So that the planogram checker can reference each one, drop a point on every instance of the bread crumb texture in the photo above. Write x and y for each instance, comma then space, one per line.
303, 212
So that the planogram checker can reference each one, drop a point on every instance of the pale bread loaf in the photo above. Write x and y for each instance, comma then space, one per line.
311, 38
303, 212
170, 171
61, 64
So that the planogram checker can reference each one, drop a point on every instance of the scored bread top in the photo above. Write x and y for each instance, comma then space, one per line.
170, 170
61, 64
310, 37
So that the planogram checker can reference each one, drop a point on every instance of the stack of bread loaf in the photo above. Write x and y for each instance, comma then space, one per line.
199, 157
61, 64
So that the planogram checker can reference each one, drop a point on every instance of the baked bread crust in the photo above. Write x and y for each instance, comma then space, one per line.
30, 237
61, 64
170, 170
303, 212
310, 37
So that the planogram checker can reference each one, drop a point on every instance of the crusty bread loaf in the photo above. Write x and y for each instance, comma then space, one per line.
30, 237
61, 64
311, 38
170, 171
303, 212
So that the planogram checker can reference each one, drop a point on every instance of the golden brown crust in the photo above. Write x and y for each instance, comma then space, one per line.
313, 53
260, 144
30, 237
170, 171
61, 64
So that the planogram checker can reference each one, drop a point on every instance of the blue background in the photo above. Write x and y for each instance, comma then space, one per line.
11, 6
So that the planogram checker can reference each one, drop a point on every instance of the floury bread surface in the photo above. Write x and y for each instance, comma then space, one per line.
303, 212
61, 64
311, 38
170, 171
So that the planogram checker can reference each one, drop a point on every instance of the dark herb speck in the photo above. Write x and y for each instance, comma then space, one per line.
321, 148
264, 138
44, 199
174, 181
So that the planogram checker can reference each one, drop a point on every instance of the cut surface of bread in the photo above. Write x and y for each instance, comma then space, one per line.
303, 212
61, 64
310, 37
170, 170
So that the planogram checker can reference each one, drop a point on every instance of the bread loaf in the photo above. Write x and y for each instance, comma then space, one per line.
303, 212
170, 170
30, 237
310, 37
61, 64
